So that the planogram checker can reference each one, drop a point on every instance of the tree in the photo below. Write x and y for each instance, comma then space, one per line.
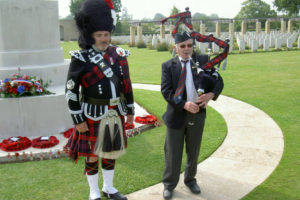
125, 15
288, 6
76, 4
174, 11
255, 9
158, 17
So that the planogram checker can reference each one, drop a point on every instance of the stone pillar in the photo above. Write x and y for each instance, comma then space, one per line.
140, 33
290, 26
132, 36
267, 27
231, 29
202, 28
283, 26
244, 28
162, 31
218, 29
258, 27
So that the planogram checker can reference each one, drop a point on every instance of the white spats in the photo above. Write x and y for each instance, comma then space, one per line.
108, 177
93, 183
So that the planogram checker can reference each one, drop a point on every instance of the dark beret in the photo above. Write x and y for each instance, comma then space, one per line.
181, 37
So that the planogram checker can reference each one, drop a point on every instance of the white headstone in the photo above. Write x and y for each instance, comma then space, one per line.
266, 44
154, 41
202, 47
215, 48
254, 45
272, 41
278, 43
242, 46
289, 43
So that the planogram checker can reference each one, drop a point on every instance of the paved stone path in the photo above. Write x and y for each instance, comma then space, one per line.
250, 152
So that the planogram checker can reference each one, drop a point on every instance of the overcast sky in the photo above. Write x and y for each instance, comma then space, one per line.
140, 9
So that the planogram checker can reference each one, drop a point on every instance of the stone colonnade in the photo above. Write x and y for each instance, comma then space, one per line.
284, 29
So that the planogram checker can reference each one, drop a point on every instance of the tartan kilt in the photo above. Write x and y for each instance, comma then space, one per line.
83, 144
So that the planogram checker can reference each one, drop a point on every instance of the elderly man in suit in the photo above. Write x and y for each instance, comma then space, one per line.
185, 115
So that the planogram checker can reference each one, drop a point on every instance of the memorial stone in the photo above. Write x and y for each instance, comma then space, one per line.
278, 43
266, 44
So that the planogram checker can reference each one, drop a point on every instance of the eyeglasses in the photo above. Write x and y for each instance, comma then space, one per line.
186, 45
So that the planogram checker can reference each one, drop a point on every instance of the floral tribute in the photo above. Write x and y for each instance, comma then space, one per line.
15, 144
22, 85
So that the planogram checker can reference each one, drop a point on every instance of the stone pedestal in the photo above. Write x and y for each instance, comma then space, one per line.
29, 39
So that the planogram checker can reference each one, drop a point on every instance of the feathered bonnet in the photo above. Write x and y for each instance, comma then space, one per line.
94, 15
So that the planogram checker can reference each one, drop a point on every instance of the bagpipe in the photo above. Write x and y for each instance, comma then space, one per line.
207, 74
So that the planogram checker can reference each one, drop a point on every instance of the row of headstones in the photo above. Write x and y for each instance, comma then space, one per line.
253, 40
275, 40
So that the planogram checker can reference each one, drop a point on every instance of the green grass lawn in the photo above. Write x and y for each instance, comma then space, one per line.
142, 165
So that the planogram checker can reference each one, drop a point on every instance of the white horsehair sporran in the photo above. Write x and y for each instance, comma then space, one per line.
110, 130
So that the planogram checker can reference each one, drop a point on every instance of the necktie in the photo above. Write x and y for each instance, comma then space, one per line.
181, 83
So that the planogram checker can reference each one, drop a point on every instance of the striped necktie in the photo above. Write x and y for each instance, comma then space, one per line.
181, 83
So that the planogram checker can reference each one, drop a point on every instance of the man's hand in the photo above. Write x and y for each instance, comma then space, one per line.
129, 119
82, 127
203, 99
191, 107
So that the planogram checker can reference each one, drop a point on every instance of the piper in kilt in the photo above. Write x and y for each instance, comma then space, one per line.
99, 95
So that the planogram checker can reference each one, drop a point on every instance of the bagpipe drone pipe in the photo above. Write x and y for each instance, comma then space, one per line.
207, 72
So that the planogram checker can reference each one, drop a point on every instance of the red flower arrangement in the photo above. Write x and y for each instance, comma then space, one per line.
23, 85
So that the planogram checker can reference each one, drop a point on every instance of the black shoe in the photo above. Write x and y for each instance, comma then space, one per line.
167, 194
194, 188
115, 196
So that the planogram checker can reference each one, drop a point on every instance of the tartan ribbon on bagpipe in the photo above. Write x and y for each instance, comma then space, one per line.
185, 18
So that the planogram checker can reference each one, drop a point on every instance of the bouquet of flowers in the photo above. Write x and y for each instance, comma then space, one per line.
22, 85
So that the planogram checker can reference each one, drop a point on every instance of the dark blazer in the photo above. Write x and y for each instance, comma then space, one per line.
175, 115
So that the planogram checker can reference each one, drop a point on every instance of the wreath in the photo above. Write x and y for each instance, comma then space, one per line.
15, 144
44, 142
147, 119
69, 132
128, 126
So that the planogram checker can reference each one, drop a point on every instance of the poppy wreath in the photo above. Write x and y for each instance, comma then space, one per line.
41, 143
15, 144
128, 126
147, 119
69, 132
